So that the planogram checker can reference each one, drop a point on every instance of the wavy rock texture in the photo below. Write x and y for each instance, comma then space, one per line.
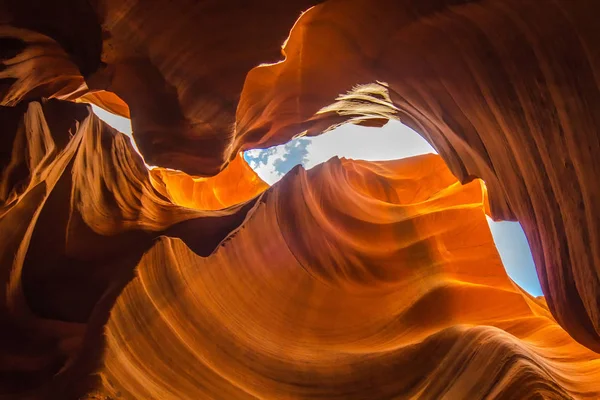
397, 292
351, 280
72, 235
182, 80
502, 89
236, 184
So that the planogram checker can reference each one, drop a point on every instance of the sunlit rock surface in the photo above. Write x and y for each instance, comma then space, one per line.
351, 280
235, 184
79, 209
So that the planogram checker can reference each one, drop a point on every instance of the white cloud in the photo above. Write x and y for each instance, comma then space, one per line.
391, 142
265, 166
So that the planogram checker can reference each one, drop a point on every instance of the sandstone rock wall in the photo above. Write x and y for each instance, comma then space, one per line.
352, 280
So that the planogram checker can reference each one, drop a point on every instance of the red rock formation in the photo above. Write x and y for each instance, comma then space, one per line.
72, 232
502, 89
352, 280
397, 291
236, 184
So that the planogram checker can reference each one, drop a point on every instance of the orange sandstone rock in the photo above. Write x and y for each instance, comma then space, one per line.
351, 280
236, 184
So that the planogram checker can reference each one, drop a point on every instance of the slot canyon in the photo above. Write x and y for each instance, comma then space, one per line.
162, 267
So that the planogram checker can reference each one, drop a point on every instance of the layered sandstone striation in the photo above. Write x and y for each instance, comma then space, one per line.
236, 184
352, 280
79, 209
397, 291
